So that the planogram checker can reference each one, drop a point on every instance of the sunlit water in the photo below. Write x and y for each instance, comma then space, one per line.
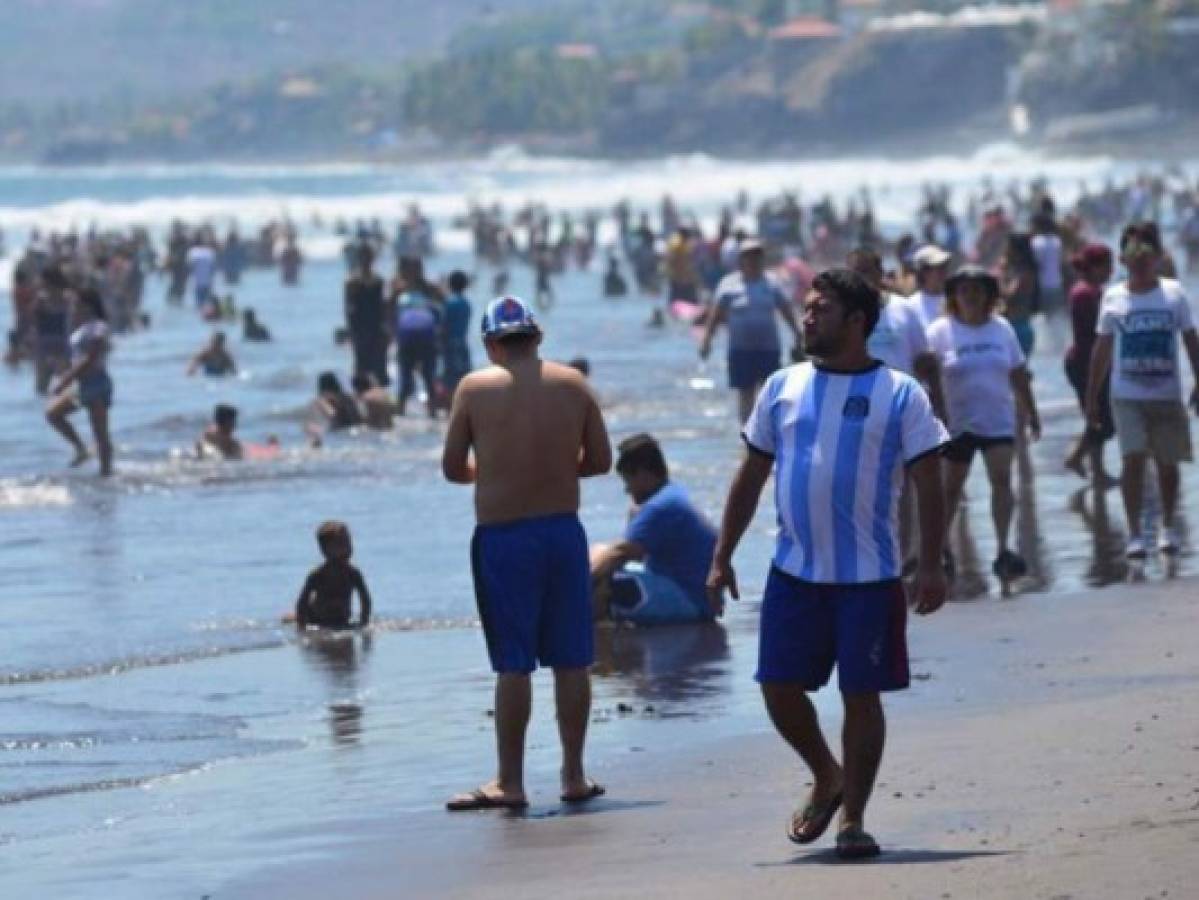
153, 710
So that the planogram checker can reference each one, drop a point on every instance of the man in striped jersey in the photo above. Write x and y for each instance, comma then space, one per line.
838, 433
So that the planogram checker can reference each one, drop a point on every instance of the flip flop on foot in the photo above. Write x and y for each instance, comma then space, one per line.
593, 790
809, 823
480, 799
854, 842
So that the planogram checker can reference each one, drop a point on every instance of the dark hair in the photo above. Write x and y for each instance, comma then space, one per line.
328, 382
641, 453
582, 365
853, 292
1144, 231
864, 257
458, 281
331, 531
90, 297
362, 382
224, 414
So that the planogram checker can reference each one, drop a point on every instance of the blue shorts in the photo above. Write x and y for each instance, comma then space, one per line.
533, 587
806, 628
95, 388
645, 598
749, 368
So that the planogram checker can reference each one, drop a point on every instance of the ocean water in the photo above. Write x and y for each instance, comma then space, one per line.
164, 731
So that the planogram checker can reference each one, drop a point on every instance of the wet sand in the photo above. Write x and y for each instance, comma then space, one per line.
1067, 766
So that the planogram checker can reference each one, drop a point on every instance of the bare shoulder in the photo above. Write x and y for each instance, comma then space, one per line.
565, 376
481, 381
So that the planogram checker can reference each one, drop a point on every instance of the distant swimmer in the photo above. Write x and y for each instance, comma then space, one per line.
374, 402
290, 262
253, 330
535, 429
51, 327
219, 438
336, 409
201, 266
88, 373
615, 284
214, 359
667, 535
326, 597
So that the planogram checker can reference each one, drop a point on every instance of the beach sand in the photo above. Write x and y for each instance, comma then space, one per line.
1049, 749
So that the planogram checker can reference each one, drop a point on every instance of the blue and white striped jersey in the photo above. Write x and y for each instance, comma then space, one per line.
840, 442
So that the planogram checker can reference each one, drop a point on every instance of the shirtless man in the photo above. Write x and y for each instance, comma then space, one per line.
535, 429
219, 437
214, 359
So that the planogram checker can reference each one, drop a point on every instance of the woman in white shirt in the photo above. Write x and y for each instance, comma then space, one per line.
983, 377
88, 374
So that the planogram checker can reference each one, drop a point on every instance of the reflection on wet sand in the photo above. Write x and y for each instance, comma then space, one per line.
1107, 564
680, 669
1030, 542
335, 655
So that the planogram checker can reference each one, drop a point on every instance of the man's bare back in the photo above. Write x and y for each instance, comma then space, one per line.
535, 429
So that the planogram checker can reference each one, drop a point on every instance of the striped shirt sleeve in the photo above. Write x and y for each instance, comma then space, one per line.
922, 432
758, 431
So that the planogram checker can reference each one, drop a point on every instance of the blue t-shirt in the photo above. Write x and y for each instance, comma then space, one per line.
750, 309
678, 541
457, 318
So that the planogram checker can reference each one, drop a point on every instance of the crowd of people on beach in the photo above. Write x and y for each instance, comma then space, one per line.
911, 355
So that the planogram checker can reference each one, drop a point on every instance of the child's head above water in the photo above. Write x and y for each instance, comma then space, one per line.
334, 540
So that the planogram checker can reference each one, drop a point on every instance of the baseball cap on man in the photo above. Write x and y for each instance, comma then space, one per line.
930, 256
508, 315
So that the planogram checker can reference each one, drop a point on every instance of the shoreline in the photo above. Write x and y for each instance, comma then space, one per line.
1046, 774
1174, 148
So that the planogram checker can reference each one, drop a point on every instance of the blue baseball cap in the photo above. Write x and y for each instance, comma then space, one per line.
508, 315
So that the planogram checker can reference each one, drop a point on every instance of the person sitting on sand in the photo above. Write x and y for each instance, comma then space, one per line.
215, 359
252, 329
374, 402
325, 598
218, 437
665, 533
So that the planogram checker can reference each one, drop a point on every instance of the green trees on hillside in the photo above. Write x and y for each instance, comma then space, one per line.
507, 92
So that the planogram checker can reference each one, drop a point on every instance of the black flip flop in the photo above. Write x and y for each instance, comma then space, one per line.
593, 790
856, 843
820, 818
476, 799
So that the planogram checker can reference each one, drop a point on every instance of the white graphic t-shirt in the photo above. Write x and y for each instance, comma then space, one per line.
976, 369
1145, 328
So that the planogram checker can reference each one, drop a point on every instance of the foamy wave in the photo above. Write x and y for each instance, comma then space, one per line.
512, 178
15, 495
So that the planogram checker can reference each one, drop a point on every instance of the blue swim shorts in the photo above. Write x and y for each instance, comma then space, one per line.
645, 598
806, 628
749, 368
533, 587
95, 388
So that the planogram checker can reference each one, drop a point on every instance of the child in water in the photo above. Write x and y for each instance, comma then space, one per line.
324, 600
